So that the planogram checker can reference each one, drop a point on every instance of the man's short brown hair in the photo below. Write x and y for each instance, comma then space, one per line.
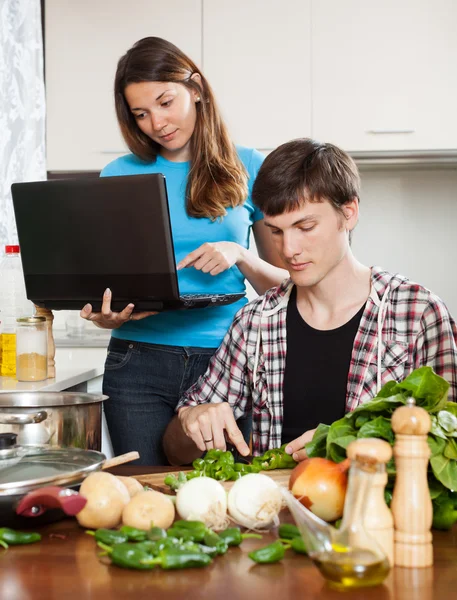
304, 170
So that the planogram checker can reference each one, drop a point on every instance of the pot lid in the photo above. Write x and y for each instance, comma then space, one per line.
43, 466
20, 399
10, 452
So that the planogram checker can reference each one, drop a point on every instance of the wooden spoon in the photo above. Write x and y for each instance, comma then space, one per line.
120, 460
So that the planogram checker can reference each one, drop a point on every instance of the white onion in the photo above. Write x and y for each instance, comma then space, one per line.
203, 499
255, 501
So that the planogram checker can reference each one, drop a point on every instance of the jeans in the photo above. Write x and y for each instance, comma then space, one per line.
144, 383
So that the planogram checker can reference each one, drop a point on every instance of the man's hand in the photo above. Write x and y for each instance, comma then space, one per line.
208, 425
295, 447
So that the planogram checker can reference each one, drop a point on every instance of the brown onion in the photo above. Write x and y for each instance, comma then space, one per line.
320, 485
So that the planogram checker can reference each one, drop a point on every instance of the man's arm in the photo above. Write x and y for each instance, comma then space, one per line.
206, 411
436, 344
184, 439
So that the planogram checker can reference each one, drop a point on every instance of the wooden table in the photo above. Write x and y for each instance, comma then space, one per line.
64, 566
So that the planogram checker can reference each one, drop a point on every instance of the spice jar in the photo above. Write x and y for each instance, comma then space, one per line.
31, 349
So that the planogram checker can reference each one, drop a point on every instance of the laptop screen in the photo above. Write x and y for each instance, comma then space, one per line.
79, 236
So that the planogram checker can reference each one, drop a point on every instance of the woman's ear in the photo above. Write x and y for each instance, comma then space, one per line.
197, 94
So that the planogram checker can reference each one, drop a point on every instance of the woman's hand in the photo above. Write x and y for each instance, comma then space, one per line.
213, 258
107, 319
296, 447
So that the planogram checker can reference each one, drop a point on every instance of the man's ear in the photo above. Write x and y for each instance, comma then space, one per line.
351, 213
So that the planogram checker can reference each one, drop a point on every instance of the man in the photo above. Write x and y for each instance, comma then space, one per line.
328, 338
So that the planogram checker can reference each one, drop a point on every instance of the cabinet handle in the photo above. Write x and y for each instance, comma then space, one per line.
389, 131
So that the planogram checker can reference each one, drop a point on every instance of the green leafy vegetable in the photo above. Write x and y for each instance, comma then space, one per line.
373, 419
379, 427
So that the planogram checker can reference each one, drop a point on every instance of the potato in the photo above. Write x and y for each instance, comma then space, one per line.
106, 498
133, 485
149, 509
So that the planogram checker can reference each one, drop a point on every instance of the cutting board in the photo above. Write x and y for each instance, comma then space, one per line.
155, 480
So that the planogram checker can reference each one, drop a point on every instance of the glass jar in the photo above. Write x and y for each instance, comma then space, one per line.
31, 349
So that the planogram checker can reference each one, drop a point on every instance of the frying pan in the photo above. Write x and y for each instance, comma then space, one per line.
43, 486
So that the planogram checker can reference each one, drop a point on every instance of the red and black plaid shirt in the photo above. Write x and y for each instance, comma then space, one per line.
248, 368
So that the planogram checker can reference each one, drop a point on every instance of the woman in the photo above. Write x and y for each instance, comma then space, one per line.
169, 120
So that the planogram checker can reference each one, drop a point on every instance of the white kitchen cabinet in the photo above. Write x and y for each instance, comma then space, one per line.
384, 74
256, 56
84, 41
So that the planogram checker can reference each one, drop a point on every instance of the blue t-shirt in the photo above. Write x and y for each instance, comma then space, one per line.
203, 327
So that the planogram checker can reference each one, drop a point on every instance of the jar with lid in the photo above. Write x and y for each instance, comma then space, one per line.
31, 349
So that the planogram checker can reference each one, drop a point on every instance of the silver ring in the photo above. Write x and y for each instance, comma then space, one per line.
208, 441
131, 317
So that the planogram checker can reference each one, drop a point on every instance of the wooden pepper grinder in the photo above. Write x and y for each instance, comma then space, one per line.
378, 520
411, 503
45, 312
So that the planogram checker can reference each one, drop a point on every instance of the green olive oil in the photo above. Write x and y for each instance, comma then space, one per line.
352, 569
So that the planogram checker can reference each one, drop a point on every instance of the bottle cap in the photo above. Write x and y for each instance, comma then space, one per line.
11, 249
31, 320
374, 448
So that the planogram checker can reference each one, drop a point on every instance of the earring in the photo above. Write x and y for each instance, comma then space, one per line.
197, 99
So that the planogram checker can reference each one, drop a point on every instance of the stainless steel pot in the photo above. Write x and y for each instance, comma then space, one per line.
61, 419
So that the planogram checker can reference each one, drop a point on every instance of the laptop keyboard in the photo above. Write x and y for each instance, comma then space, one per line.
222, 298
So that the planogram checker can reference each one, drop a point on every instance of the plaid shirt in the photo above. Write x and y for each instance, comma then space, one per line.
404, 326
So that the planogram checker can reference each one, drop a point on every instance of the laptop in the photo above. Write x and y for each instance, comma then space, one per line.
80, 236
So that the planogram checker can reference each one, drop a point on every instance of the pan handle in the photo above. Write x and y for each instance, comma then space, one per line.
23, 418
37, 502
120, 460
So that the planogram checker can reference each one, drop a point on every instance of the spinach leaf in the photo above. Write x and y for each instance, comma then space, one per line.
451, 449
390, 467
388, 389
436, 428
361, 420
317, 446
340, 435
447, 420
435, 487
376, 405
436, 445
445, 470
450, 407
377, 428
429, 389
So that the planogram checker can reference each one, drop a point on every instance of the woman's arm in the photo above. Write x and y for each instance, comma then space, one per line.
265, 270
216, 257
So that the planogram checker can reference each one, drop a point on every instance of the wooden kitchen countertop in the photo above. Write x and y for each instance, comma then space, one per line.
64, 566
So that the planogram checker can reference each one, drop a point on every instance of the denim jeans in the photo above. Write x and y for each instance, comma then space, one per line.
144, 383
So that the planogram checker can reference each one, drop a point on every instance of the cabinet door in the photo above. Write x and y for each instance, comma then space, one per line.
385, 73
84, 41
256, 55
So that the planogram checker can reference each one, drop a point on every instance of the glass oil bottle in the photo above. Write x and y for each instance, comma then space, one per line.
348, 557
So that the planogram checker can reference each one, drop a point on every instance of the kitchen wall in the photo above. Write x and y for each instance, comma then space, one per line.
408, 224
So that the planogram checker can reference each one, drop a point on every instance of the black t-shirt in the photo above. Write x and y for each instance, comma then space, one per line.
315, 378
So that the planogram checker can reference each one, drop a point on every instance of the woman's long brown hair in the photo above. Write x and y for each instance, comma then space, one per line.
217, 178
